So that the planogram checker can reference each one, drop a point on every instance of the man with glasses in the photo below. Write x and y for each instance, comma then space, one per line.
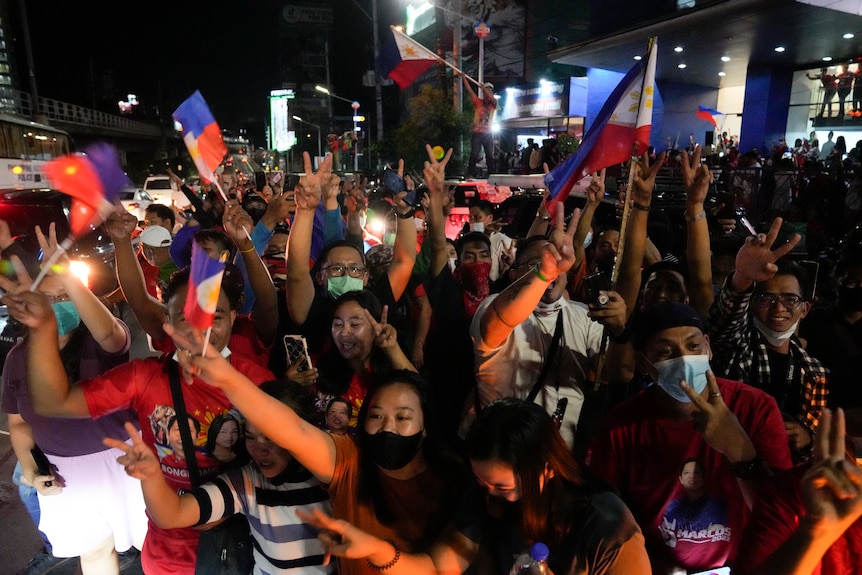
753, 335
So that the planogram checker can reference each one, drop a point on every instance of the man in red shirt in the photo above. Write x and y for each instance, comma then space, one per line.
481, 136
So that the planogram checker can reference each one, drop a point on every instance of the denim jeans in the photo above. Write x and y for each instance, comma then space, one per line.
29, 497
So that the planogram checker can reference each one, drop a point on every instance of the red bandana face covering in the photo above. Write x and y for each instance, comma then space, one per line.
475, 284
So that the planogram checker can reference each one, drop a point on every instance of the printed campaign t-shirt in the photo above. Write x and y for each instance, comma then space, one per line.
644, 456
144, 386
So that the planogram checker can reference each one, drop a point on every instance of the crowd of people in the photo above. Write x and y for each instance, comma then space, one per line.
439, 405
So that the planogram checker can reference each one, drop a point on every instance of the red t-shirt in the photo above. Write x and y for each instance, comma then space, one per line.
143, 386
642, 455
243, 341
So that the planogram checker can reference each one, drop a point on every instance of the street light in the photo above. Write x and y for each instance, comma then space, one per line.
319, 147
355, 105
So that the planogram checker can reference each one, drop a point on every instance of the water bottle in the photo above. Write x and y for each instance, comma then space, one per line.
533, 564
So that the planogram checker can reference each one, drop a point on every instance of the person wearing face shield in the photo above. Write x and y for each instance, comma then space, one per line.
733, 430
753, 324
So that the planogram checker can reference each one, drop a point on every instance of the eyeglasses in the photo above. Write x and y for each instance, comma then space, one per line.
789, 301
57, 298
338, 270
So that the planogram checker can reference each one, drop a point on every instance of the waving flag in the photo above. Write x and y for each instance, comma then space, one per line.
201, 134
93, 179
708, 114
623, 121
204, 287
402, 59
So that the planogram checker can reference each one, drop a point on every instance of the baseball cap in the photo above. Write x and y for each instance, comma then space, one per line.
661, 316
156, 237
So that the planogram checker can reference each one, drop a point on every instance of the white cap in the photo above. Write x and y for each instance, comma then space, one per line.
156, 237
489, 85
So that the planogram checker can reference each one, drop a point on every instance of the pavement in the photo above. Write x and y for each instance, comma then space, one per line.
19, 538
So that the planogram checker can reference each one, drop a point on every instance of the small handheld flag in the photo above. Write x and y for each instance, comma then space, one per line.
624, 121
204, 288
201, 134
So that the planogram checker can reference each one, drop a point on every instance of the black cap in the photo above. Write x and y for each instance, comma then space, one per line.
661, 316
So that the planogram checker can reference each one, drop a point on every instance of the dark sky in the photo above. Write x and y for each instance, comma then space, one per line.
98, 51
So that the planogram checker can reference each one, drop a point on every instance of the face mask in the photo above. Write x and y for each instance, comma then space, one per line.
390, 450
475, 280
389, 239
340, 286
775, 338
452, 263
420, 224
67, 317
691, 368
588, 240
477, 227
850, 298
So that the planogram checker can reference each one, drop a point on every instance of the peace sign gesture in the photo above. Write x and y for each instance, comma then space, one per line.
755, 260
717, 424
435, 171
138, 459
309, 190
644, 180
385, 336
558, 255
696, 177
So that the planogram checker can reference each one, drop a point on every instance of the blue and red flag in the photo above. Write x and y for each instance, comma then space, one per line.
201, 134
94, 179
204, 288
623, 122
708, 114
402, 59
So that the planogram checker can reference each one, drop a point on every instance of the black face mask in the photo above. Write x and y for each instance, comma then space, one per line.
850, 298
390, 450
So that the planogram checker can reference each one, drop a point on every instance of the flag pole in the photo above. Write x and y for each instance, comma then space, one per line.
206, 341
395, 30
633, 164
46, 267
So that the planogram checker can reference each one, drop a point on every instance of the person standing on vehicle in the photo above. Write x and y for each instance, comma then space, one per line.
481, 136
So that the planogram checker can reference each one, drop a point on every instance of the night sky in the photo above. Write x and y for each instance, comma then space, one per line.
93, 53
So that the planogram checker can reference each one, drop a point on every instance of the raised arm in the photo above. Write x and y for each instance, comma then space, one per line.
104, 327
265, 311
755, 260
299, 288
310, 445
167, 509
404, 250
149, 312
697, 178
595, 193
434, 174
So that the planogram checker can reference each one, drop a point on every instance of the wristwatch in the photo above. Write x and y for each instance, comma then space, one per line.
746, 469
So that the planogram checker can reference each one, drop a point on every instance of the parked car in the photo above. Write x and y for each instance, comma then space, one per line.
136, 201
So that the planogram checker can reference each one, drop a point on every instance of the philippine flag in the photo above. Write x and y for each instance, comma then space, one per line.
623, 122
201, 134
708, 114
94, 179
204, 287
402, 59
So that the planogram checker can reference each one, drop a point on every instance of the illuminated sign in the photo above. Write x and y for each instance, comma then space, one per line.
543, 99
278, 114
419, 17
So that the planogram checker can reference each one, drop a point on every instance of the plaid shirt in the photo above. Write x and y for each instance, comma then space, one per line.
740, 353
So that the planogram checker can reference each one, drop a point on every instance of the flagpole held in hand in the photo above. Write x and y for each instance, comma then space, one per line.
62, 248
206, 341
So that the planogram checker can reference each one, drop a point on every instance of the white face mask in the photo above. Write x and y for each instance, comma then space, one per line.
775, 338
420, 224
477, 227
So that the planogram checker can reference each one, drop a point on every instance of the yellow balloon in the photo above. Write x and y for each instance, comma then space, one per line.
439, 152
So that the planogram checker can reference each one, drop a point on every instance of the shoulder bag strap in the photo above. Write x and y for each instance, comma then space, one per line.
182, 422
552, 351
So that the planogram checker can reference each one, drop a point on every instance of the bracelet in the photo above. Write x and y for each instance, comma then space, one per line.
406, 215
497, 313
248, 251
541, 276
640, 207
386, 566
693, 218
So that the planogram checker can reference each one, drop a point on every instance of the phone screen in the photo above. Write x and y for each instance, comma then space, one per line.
259, 180
393, 182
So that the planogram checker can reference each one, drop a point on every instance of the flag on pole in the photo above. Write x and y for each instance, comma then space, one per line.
94, 179
201, 134
204, 287
624, 120
402, 59
708, 114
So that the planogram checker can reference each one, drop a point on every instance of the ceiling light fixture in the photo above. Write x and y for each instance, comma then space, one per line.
678, 49
779, 49
680, 66
848, 36
725, 58
827, 58
722, 74
638, 58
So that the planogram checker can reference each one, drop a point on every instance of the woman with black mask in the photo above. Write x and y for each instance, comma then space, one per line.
393, 481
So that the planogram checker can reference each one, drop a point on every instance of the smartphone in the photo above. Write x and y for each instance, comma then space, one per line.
728, 211
744, 221
393, 182
595, 284
296, 346
276, 177
812, 270
290, 182
414, 196
43, 466
259, 180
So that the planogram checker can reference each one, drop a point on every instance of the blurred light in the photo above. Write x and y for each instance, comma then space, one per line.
827, 58
848, 35
779, 49
678, 49
81, 271
321, 89
376, 225
725, 58
18, 170
638, 58
722, 74
495, 128
298, 118
680, 66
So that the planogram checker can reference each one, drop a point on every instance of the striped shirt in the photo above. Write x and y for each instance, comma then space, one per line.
283, 543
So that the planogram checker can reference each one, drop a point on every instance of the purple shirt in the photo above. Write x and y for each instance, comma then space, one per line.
66, 437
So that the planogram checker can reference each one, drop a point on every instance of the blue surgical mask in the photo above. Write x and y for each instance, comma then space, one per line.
67, 317
690, 368
341, 285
